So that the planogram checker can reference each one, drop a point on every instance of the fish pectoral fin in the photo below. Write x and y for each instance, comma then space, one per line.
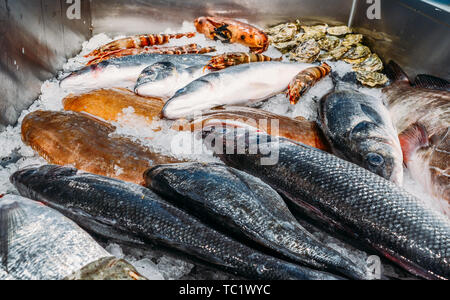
431, 82
413, 139
11, 218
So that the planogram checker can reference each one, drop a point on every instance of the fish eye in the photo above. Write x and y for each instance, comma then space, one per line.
375, 159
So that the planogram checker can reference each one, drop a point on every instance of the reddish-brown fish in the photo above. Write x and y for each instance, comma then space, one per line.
232, 31
109, 104
68, 138
299, 129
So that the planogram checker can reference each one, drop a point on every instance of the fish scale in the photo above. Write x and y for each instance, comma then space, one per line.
235, 200
367, 206
139, 213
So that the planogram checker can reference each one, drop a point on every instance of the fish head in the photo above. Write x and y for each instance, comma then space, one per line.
190, 99
33, 179
157, 80
377, 151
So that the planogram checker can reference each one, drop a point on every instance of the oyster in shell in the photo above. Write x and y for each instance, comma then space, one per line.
372, 64
307, 52
371, 79
339, 30
329, 43
335, 54
352, 40
282, 33
314, 32
359, 51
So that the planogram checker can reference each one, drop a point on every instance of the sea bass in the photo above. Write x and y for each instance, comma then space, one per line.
234, 200
76, 139
360, 130
39, 243
132, 213
298, 129
238, 85
109, 104
164, 79
421, 113
350, 198
123, 72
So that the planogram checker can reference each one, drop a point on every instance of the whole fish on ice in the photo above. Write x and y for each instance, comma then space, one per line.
235, 200
123, 72
39, 243
421, 113
134, 214
350, 198
238, 85
360, 130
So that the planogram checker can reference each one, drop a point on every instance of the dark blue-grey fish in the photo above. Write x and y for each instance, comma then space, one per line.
369, 208
360, 130
132, 213
235, 200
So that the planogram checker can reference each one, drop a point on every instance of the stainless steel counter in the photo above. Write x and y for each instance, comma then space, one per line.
37, 37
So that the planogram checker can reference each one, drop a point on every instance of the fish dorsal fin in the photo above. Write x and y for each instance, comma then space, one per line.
396, 73
413, 139
431, 82
11, 219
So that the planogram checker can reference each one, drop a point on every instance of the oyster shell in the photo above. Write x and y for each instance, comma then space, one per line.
329, 43
307, 52
352, 39
314, 32
285, 47
335, 54
372, 64
339, 30
358, 51
356, 61
282, 33
371, 79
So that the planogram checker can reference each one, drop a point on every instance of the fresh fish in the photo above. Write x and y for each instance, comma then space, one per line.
237, 85
132, 213
38, 243
76, 139
298, 129
110, 104
123, 72
164, 79
360, 130
234, 200
373, 210
421, 113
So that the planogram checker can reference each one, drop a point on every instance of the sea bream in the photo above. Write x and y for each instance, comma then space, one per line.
39, 243
123, 72
134, 214
234, 200
345, 197
421, 113
360, 130
237, 85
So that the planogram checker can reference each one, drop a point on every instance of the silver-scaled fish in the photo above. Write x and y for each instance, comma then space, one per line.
237, 85
124, 71
134, 214
234, 200
349, 199
360, 130
38, 243
164, 79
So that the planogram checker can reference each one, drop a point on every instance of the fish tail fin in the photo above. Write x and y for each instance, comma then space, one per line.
413, 139
396, 73
11, 218
431, 82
